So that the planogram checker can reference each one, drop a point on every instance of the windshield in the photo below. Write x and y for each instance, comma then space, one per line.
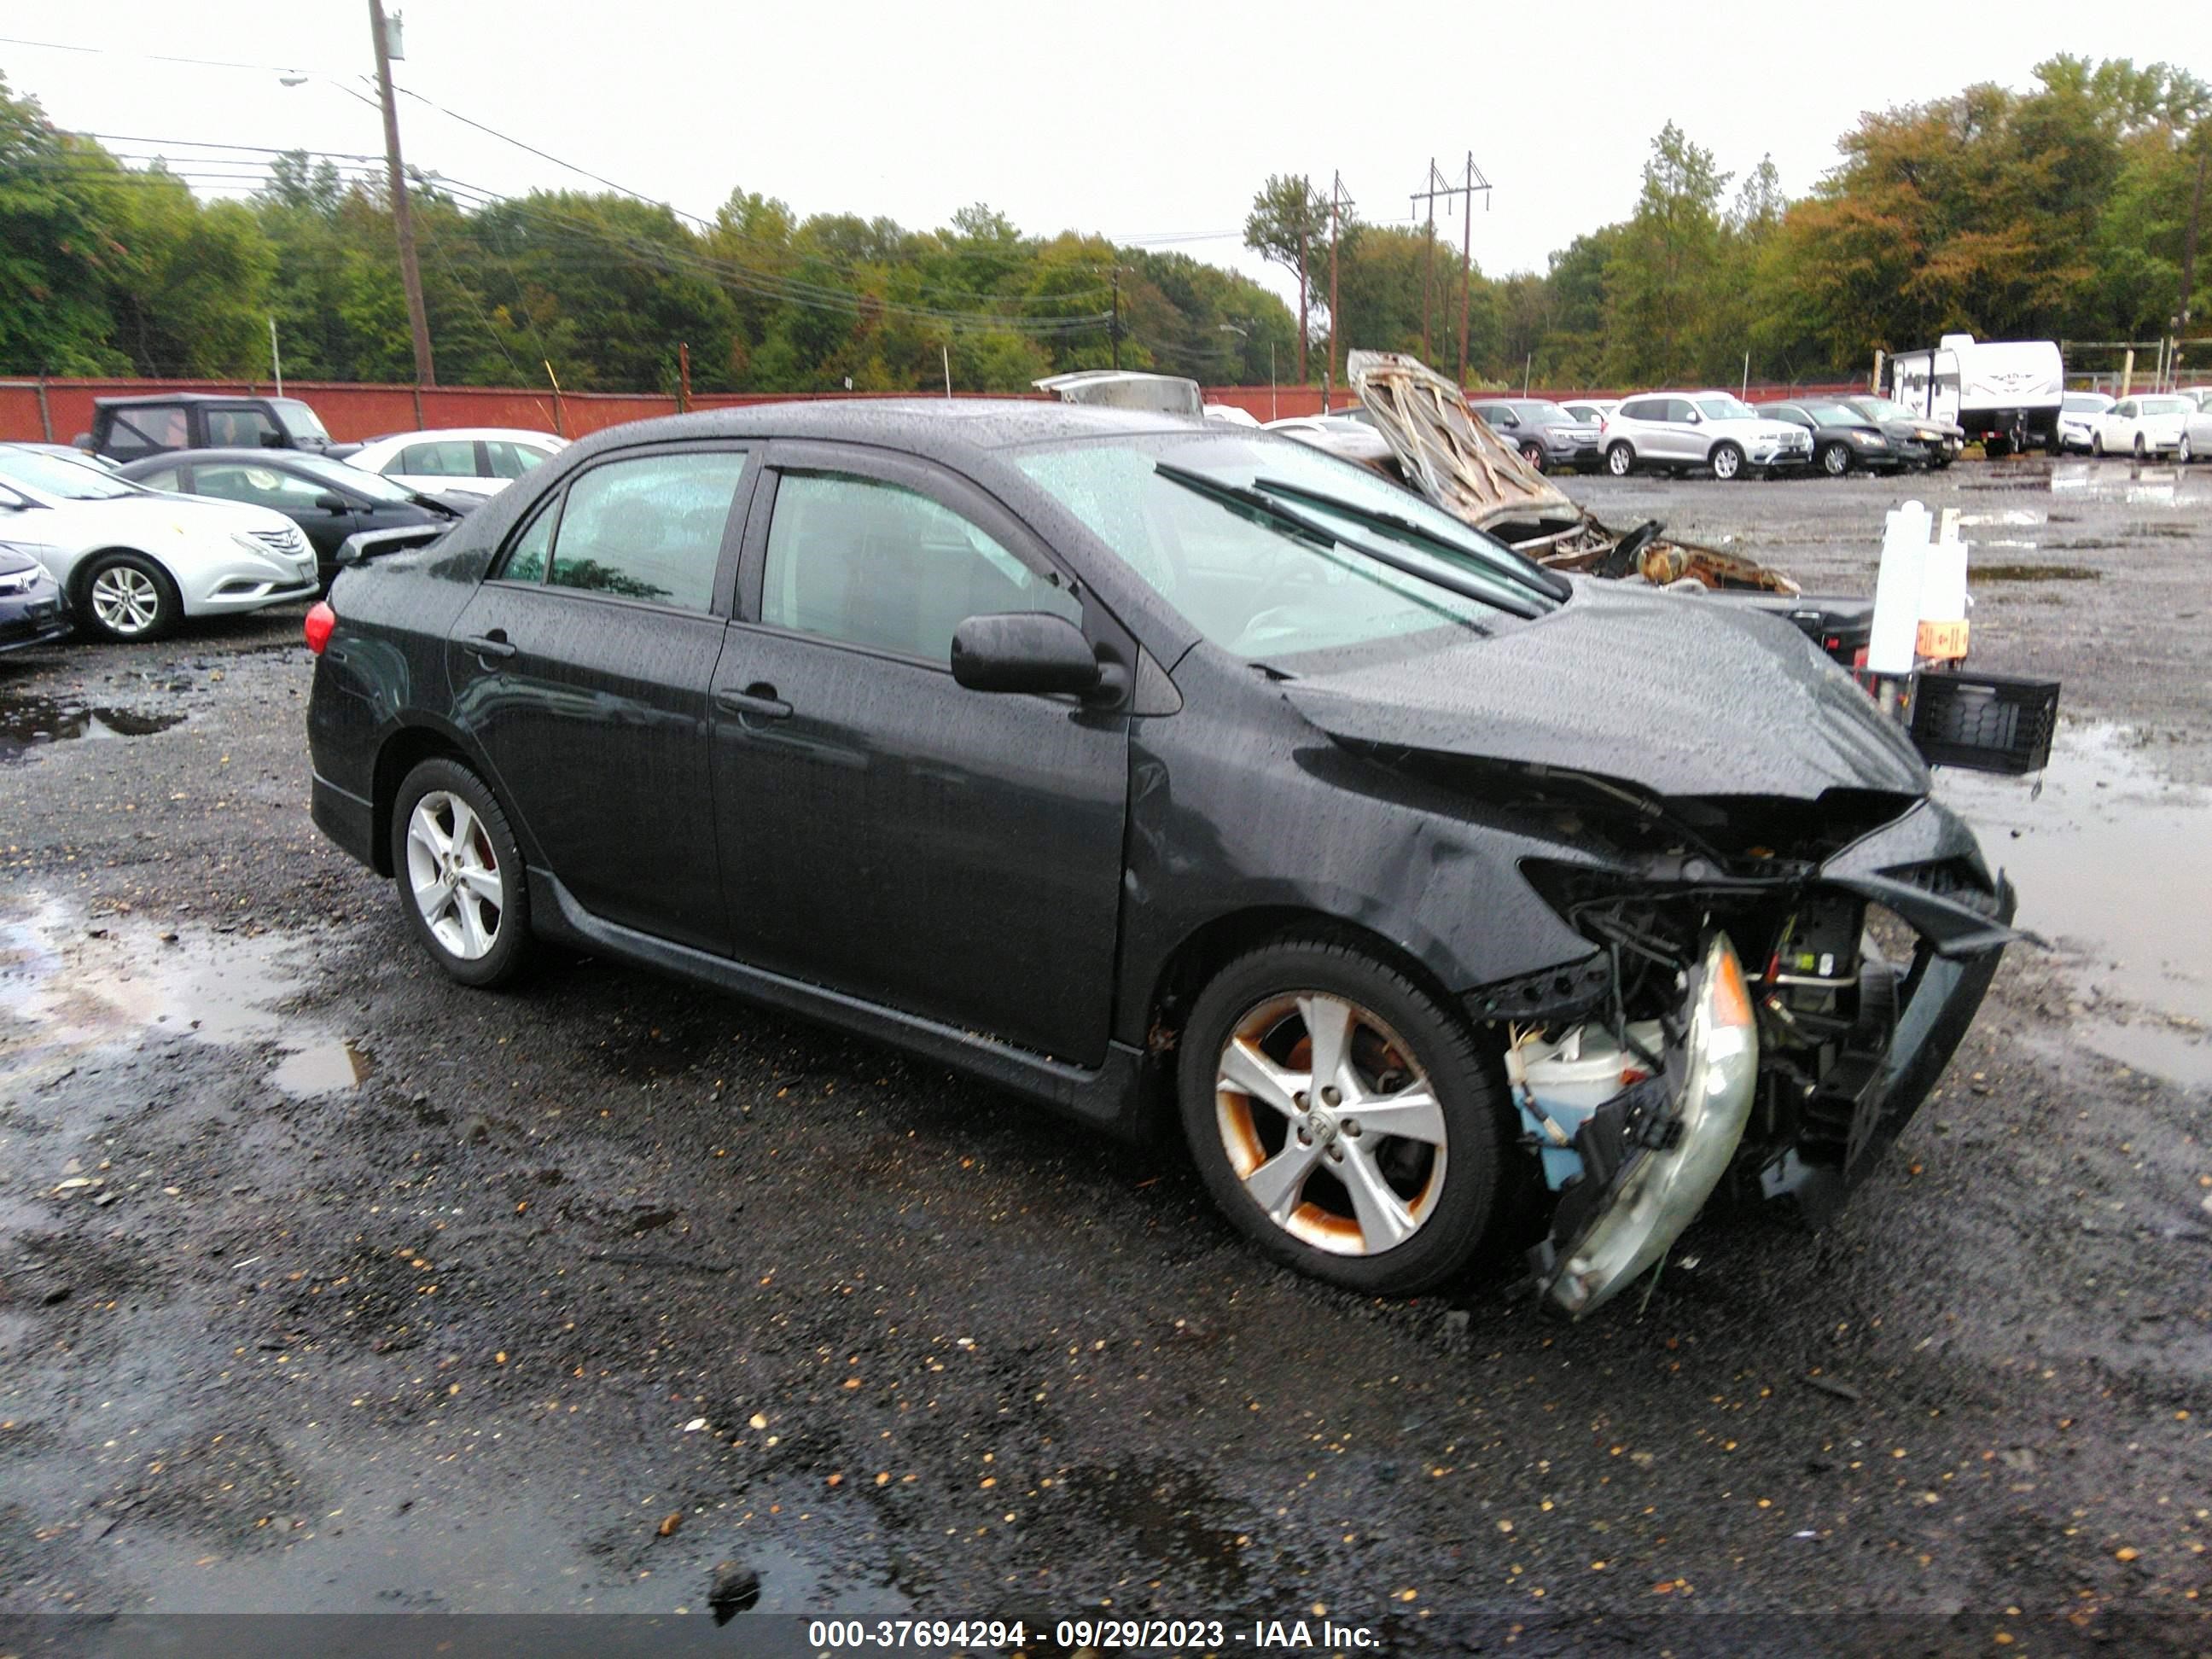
1243, 573
2087, 402
361, 482
1883, 410
2163, 406
1546, 415
1834, 415
56, 474
1725, 408
298, 420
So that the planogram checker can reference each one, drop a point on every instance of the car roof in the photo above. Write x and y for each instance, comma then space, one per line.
919, 425
433, 433
137, 399
279, 458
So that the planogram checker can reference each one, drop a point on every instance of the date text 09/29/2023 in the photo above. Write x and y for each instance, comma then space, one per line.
1208, 1635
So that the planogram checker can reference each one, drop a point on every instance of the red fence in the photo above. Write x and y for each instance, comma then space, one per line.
56, 411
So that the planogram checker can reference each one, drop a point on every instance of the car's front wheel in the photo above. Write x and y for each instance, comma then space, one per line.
1534, 454
1835, 460
1727, 461
2140, 451
126, 596
459, 874
1620, 461
2184, 453
2097, 445
1345, 1120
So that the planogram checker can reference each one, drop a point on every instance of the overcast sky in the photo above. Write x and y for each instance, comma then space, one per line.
1148, 122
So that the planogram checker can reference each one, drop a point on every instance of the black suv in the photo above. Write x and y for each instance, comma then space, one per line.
131, 429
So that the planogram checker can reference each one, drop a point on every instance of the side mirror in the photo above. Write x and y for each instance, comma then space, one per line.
331, 503
1030, 650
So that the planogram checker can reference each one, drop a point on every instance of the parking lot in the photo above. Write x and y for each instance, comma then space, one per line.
326, 1284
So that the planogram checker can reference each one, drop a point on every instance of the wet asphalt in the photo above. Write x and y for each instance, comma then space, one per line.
326, 1284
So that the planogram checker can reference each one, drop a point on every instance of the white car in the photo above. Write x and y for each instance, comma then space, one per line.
1699, 432
2197, 429
2077, 418
479, 460
134, 560
2152, 424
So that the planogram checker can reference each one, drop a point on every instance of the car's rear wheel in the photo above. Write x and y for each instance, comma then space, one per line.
1620, 461
2097, 445
1835, 460
1343, 1118
2183, 452
2141, 452
1727, 461
1534, 454
459, 874
126, 596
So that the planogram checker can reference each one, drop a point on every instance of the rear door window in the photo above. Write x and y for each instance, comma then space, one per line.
875, 564
512, 460
650, 528
147, 430
242, 426
447, 458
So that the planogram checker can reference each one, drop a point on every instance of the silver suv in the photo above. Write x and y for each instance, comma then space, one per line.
1694, 431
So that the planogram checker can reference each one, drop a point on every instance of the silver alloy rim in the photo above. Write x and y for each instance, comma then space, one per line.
1837, 462
1724, 463
1619, 461
454, 875
125, 600
1330, 1123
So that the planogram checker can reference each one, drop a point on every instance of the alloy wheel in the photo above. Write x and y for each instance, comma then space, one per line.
454, 875
1330, 1123
1836, 461
1726, 462
125, 600
1619, 459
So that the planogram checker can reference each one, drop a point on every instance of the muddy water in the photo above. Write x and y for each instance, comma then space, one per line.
2108, 859
72, 984
27, 723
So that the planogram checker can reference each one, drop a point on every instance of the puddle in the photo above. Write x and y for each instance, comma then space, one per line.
1978, 574
71, 983
2151, 1044
2108, 860
326, 1068
31, 723
2148, 484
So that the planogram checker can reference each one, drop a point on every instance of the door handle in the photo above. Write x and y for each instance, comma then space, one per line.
492, 645
758, 700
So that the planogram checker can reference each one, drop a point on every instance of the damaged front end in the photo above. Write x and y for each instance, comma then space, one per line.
1770, 998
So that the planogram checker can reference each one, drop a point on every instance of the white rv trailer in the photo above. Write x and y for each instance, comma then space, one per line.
2006, 392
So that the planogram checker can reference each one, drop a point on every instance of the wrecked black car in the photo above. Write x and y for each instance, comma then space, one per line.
1146, 768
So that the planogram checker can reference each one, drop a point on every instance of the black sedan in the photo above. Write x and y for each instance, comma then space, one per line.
1132, 765
32, 608
1844, 440
327, 499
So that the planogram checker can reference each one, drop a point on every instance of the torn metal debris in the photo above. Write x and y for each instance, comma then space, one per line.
1451, 455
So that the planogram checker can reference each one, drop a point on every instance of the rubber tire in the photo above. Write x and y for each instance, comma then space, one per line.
1469, 1084
2182, 453
2143, 453
2097, 445
169, 609
1620, 461
1831, 456
1725, 447
1996, 449
510, 954
1534, 454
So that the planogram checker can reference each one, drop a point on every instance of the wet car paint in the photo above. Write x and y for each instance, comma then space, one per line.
1257, 804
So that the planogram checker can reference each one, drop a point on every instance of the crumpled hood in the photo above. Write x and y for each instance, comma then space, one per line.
1678, 694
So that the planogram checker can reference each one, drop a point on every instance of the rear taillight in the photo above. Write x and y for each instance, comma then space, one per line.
321, 621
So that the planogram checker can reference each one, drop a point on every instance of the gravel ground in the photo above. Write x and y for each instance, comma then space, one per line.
324, 1284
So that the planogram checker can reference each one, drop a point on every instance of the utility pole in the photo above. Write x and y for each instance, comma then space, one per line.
1305, 197
403, 221
1440, 186
1114, 328
1475, 181
1339, 205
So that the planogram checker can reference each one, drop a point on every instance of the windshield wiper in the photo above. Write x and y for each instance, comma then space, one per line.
1523, 571
1314, 530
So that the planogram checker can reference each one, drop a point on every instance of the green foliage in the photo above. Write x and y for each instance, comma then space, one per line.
2059, 210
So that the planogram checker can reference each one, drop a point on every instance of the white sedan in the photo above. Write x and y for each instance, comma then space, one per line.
2196, 430
481, 461
2077, 418
134, 560
2152, 424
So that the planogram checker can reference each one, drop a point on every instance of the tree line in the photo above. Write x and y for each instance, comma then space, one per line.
2064, 210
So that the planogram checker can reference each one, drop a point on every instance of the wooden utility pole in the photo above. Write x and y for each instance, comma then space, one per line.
1339, 203
1440, 186
1305, 197
1475, 181
1114, 328
403, 221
